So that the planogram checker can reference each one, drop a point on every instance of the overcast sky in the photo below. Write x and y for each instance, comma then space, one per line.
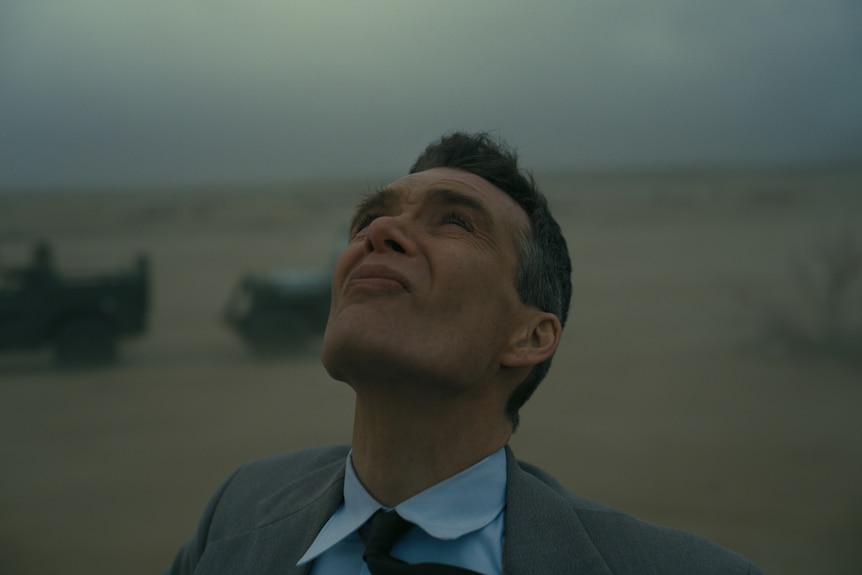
122, 92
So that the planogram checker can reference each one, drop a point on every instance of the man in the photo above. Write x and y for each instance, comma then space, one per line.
448, 304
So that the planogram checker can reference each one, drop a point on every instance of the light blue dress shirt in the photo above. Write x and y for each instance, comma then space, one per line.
461, 521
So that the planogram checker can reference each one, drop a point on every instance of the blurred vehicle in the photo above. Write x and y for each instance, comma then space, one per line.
82, 318
279, 311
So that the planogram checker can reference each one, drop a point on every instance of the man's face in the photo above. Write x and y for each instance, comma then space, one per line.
425, 289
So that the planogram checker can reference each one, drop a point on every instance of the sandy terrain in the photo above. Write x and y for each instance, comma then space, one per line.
661, 401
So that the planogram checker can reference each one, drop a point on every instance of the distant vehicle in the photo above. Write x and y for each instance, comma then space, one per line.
82, 318
280, 311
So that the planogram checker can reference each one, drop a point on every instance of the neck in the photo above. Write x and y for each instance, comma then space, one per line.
401, 448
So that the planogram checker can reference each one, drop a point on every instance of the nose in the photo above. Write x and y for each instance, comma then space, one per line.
387, 233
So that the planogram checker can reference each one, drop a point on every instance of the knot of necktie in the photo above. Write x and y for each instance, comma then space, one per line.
386, 528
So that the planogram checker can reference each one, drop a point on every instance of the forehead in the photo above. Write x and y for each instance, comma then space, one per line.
427, 186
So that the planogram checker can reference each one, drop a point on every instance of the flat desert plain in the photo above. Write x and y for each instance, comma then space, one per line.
667, 399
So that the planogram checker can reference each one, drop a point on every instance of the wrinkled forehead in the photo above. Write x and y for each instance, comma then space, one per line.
451, 186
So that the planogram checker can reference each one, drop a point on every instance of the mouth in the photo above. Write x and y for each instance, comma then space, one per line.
379, 277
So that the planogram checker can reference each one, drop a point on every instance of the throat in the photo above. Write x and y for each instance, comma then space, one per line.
400, 452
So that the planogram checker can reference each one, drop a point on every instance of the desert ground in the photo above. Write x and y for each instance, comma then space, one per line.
668, 398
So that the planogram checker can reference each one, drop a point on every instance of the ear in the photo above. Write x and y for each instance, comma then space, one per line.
534, 342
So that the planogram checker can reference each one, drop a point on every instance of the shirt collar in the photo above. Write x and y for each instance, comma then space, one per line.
454, 507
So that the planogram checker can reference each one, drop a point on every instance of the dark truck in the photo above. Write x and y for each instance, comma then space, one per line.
279, 311
81, 318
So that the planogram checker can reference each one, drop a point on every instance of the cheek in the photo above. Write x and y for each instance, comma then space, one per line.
342, 267
481, 290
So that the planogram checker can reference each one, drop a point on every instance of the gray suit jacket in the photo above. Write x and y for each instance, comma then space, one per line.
265, 516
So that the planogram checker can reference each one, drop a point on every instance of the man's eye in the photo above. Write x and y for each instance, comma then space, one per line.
364, 221
458, 220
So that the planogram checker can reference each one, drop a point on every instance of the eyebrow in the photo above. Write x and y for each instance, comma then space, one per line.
384, 199
380, 200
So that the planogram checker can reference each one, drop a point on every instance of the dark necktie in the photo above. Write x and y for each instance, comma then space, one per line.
386, 528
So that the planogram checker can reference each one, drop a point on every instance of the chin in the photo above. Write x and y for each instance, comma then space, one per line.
346, 351
330, 354
360, 356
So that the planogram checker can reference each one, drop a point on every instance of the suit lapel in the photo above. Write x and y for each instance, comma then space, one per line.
290, 520
299, 511
543, 534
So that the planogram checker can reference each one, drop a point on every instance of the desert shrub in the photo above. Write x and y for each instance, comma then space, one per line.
819, 310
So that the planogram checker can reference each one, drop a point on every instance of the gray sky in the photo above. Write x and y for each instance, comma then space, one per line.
114, 92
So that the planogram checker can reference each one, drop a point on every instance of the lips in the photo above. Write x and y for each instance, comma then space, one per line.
379, 276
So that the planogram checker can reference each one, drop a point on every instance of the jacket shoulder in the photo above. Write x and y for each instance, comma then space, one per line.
272, 484
261, 493
628, 544
281, 468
